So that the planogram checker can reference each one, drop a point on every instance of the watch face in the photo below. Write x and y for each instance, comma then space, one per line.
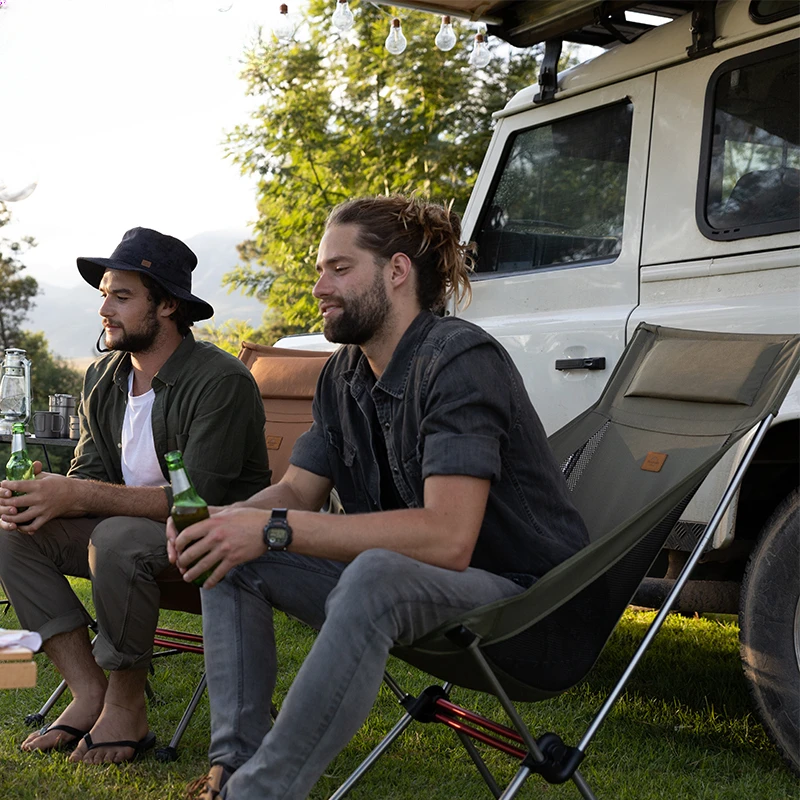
277, 536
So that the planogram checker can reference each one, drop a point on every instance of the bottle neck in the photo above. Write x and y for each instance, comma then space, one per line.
18, 443
180, 481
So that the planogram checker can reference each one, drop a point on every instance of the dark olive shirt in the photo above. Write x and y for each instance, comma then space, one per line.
206, 405
450, 402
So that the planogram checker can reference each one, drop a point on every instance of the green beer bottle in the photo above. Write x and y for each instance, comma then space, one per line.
187, 506
19, 466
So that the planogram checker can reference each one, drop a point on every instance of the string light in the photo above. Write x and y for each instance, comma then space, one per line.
284, 25
446, 38
480, 55
396, 43
343, 18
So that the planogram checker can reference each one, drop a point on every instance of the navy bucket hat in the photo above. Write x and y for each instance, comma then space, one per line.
167, 260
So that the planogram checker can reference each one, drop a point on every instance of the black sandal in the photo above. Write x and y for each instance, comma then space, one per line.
138, 748
69, 744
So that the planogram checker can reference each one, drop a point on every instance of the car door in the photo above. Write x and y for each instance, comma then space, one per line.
556, 215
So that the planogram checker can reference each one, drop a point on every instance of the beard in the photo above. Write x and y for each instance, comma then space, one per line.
361, 317
137, 341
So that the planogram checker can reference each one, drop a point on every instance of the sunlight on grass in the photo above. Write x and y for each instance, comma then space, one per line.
682, 729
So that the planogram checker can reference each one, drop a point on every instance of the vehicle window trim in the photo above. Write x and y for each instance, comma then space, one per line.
763, 19
706, 142
626, 100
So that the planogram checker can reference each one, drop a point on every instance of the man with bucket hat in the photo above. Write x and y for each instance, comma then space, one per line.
155, 389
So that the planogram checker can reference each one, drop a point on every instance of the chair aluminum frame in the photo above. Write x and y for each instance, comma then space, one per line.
518, 741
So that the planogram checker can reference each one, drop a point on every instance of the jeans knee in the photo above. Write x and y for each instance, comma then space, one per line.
372, 582
124, 541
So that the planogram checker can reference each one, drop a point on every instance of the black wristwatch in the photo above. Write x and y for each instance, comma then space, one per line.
277, 532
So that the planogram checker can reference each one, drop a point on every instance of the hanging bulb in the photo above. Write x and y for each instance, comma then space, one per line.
480, 55
284, 25
396, 43
343, 19
446, 38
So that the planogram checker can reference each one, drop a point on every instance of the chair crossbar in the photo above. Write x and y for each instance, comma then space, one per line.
481, 736
450, 710
178, 641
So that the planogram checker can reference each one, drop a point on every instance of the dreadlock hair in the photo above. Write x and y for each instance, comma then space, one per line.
181, 316
428, 233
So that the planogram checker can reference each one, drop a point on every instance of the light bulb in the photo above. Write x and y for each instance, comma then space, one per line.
284, 25
396, 43
13, 194
343, 18
480, 55
446, 38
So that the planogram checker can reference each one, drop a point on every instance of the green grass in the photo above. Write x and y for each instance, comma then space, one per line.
682, 729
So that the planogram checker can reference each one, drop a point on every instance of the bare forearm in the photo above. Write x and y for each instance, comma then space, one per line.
107, 499
420, 533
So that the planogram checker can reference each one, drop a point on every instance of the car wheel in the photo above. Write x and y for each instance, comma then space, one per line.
769, 625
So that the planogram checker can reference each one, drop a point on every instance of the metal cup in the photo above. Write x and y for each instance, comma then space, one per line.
74, 427
47, 424
63, 404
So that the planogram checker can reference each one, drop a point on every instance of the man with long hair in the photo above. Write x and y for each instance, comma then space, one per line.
453, 499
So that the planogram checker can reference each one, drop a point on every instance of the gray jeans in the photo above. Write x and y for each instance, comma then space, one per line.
361, 609
120, 555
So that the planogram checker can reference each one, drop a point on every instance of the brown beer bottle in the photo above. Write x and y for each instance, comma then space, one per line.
187, 506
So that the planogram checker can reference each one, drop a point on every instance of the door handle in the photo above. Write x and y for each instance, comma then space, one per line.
580, 363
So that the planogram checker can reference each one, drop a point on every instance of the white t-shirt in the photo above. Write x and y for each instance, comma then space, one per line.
139, 461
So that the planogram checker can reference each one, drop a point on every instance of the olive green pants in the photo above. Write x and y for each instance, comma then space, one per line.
122, 556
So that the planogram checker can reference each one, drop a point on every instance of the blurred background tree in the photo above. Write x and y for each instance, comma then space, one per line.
340, 117
16, 291
49, 374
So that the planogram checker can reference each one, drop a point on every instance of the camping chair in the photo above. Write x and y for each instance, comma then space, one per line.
675, 403
287, 380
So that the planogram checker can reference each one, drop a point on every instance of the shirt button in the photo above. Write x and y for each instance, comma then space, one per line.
395, 470
387, 425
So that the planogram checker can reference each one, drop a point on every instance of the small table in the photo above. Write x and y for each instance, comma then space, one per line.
44, 443
17, 668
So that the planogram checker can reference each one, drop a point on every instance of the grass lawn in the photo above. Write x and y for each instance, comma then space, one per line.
683, 729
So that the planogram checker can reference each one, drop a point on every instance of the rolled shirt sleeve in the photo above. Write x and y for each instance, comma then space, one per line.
467, 415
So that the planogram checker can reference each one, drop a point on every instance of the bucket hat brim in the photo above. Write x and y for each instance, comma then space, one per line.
93, 269
165, 259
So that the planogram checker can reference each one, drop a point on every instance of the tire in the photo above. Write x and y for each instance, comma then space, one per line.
769, 625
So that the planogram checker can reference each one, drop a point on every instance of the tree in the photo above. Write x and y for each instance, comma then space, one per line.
340, 120
16, 291
49, 373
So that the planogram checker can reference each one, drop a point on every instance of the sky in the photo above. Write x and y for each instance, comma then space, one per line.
118, 110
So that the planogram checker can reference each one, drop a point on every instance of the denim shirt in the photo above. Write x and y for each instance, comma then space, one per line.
450, 402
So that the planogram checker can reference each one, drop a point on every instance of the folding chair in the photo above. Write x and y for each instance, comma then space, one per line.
675, 403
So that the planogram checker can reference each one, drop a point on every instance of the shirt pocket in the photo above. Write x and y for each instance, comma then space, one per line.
346, 471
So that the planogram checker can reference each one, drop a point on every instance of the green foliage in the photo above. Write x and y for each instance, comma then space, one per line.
340, 119
16, 291
230, 335
49, 373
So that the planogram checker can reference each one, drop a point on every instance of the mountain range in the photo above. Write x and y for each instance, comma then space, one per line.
69, 319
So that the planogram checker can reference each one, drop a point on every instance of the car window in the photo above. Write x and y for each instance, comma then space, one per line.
559, 198
751, 168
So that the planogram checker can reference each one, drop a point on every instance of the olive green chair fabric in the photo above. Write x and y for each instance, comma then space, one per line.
632, 462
